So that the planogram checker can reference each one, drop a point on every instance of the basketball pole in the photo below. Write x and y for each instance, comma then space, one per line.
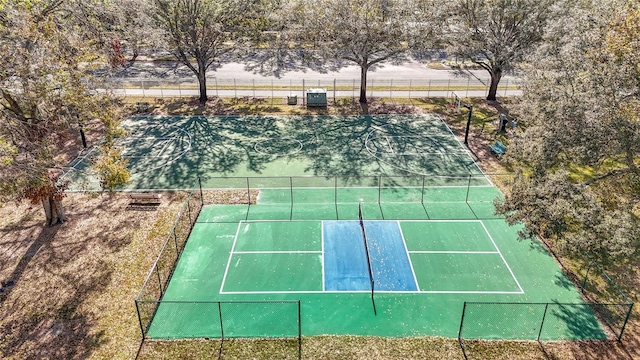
466, 132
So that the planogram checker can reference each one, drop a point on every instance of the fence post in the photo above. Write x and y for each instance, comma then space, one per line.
391, 89
429, 88
410, 89
271, 91
235, 89
448, 86
216, 81
380, 190
353, 91
466, 200
468, 82
189, 211
159, 280
248, 197
544, 316
175, 241
335, 195
464, 308
253, 83
422, 191
221, 326
584, 281
506, 88
304, 100
334, 91
626, 319
142, 86
201, 195
299, 332
140, 319
291, 187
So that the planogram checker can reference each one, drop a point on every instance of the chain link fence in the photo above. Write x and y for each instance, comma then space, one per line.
288, 88
603, 316
596, 286
336, 197
162, 319
158, 277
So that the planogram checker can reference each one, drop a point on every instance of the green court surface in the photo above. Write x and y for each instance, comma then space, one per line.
170, 152
228, 258
434, 250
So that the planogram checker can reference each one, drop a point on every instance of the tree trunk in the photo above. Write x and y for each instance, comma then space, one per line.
496, 75
53, 211
202, 80
363, 83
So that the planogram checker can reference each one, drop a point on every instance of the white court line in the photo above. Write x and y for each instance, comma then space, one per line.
369, 291
224, 276
279, 252
322, 255
452, 252
166, 143
468, 153
391, 151
404, 243
77, 162
502, 257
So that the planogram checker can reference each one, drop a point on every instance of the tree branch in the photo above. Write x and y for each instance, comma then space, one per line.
14, 107
611, 173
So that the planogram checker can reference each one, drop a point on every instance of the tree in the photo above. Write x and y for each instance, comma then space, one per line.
496, 34
44, 98
119, 26
579, 183
202, 31
363, 32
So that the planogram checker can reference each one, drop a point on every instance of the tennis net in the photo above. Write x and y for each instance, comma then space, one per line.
366, 249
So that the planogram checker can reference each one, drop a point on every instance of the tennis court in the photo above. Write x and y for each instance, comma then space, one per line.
422, 272
370, 225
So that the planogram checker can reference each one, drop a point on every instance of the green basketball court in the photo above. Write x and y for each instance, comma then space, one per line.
169, 152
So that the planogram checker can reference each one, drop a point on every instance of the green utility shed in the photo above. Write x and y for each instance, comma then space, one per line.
317, 97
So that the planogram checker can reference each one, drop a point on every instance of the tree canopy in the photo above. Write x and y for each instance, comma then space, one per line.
200, 32
45, 100
361, 32
579, 181
496, 34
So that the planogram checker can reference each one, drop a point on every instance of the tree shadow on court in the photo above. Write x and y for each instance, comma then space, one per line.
349, 147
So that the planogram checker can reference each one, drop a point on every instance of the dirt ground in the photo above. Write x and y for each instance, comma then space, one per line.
68, 291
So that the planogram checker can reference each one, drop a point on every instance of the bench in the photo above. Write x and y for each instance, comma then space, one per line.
498, 148
145, 199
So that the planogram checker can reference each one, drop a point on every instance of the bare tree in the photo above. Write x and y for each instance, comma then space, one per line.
496, 35
202, 31
362, 32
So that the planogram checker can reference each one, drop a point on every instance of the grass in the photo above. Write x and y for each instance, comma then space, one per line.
68, 290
